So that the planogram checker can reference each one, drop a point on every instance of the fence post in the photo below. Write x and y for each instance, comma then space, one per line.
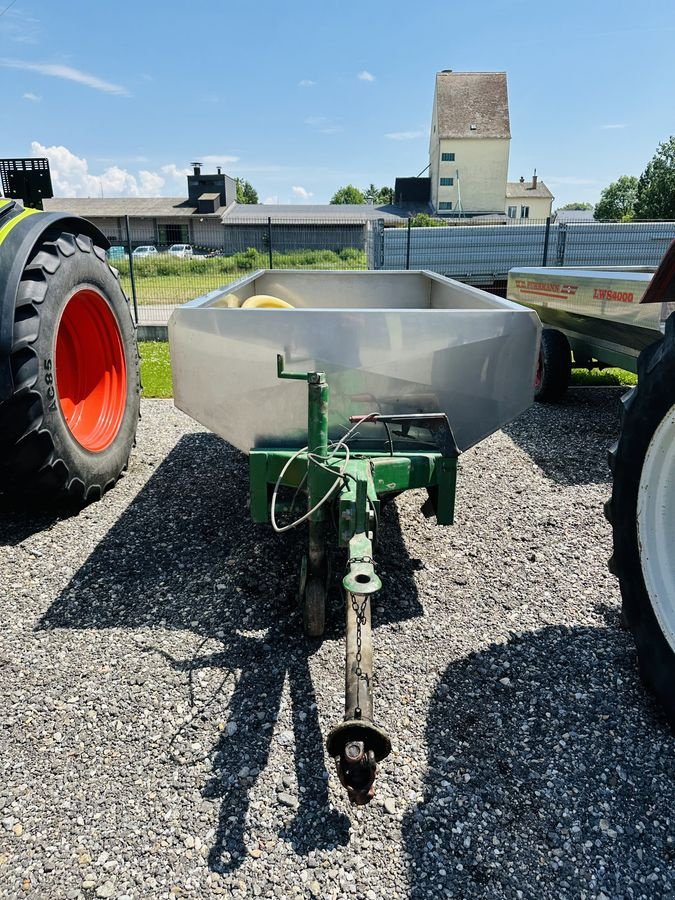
407, 249
131, 270
562, 242
546, 236
378, 244
269, 239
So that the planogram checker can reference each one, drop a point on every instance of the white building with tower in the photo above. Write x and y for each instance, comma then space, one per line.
469, 151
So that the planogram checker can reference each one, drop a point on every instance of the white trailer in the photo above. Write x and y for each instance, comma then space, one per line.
596, 313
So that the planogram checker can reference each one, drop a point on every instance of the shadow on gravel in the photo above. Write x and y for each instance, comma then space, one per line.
184, 555
550, 774
20, 519
570, 440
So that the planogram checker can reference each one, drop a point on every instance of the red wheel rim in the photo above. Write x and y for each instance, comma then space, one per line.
91, 374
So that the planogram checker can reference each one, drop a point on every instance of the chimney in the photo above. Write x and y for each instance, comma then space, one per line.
197, 166
522, 180
534, 180
218, 170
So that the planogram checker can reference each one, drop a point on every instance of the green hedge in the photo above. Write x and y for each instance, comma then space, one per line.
247, 260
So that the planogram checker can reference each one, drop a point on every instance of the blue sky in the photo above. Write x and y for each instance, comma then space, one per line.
303, 97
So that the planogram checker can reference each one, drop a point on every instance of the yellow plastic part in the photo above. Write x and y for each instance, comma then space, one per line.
230, 301
265, 301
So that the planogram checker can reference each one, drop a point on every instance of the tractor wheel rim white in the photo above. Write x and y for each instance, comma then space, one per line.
656, 524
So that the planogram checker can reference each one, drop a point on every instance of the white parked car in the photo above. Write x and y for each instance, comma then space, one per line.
180, 250
147, 250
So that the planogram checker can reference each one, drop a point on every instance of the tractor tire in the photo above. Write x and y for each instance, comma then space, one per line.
554, 367
642, 514
67, 430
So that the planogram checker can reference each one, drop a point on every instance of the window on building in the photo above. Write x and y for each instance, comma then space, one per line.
447, 182
512, 212
445, 204
174, 234
447, 157
524, 212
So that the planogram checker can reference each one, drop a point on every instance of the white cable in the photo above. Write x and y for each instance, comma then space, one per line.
280, 529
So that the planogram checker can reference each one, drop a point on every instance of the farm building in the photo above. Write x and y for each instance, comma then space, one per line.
469, 148
211, 219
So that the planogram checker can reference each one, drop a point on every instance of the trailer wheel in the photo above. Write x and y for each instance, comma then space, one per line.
314, 607
554, 367
69, 427
642, 513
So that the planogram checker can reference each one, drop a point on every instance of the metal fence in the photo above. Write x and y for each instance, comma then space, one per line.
485, 252
158, 276
168, 274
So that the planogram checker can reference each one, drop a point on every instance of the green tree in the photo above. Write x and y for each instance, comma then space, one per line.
578, 204
617, 200
246, 193
385, 195
348, 194
656, 187
379, 196
371, 194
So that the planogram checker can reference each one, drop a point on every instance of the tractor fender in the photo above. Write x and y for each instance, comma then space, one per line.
20, 230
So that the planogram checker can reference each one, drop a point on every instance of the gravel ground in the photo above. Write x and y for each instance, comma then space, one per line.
163, 719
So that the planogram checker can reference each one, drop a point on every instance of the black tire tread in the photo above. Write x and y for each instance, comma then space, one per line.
556, 366
29, 464
642, 409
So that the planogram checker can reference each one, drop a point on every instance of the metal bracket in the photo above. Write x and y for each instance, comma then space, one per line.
437, 423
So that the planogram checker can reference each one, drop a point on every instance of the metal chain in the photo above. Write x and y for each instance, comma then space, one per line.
360, 615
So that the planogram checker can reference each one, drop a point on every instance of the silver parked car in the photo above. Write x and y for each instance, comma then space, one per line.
180, 250
147, 250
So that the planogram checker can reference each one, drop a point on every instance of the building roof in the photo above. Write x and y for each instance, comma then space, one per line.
235, 213
112, 207
518, 189
466, 99
346, 213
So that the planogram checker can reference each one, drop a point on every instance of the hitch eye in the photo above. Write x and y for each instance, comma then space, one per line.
361, 578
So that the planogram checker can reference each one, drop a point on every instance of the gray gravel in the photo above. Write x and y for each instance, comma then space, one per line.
163, 720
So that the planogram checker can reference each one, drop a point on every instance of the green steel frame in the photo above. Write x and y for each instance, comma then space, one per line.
350, 486
365, 477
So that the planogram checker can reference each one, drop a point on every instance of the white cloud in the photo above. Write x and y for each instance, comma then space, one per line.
171, 170
403, 135
59, 71
34, 97
299, 191
71, 176
622, 125
274, 199
306, 82
315, 120
365, 76
149, 183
